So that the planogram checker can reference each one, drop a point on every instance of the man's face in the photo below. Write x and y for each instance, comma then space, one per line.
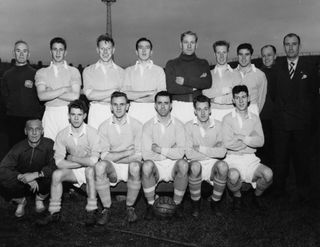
188, 44
119, 107
58, 52
105, 51
268, 56
163, 106
202, 111
241, 101
144, 51
291, 47
21, 54
76, 117
221, 55
34, 131
244, 57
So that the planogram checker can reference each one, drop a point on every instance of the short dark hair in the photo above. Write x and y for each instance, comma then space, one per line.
188, 33
163, 93
78, 104
245, 46
117, 94
58, 40
290, 35
33, 119
20, 41
105, 38
221, 43
271, 46
238, 89
201, 98
143, 39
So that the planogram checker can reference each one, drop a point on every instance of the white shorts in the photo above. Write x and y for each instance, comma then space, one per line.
206, 167
80, 175
98, 113
246, 164
182, 110
219, 114
122, 171
55, 118
165, 168
142, 111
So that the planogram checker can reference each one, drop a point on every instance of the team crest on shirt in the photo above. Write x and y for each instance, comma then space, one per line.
28, 84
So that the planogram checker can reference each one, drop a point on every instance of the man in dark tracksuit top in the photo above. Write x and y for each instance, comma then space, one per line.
27, 168
19, 94
186, 77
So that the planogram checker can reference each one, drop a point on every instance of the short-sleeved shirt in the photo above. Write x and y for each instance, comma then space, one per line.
102, 77
147, 77
170, 137
57, 76
115, 137
86, 145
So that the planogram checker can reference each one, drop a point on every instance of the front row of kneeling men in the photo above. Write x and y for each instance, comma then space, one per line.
203, 149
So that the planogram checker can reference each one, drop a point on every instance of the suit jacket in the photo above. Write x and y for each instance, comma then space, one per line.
295, 104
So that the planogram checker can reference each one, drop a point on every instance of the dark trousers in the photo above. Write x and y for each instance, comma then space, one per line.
292, 147
15, 128
265, 153
13, 188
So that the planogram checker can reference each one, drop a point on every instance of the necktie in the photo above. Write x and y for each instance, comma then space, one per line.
291, 70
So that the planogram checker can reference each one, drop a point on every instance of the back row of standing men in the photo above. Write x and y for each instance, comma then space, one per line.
292, 87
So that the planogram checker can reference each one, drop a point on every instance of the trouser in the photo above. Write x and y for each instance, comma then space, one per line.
292, 146
13, 188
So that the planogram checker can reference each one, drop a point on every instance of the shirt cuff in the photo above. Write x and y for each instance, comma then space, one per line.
165, 151
247, 140
203, 149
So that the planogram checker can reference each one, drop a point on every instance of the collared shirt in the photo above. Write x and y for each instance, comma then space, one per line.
206, 139
170, 137
295, 63
23, 158
256, 82
99, 76
119, 137
144, 77
250, 127
56, 76
223, 80
84, 144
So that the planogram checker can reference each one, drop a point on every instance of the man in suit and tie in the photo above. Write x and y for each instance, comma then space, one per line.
294, 117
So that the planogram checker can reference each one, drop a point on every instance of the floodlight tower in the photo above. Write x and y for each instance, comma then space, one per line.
109, 21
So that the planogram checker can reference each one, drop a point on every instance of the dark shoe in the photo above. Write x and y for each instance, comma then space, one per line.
215, 207
237, 204
49, 219
196, 208
90, 219
131, 215
105, 217
179, 211
149, 212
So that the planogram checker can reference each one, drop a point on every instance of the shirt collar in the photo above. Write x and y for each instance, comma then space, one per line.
147, 64
100, 64
65, 65
235, 114
252, 68
226, 67
83, 131
156, 120
124, 121
294, 61
212, 122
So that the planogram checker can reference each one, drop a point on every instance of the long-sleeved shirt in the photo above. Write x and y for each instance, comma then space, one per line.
256, 82
19, 92
223, 80
23, 158
119, 137
58, 76
140, 77
233, 125
170, 137
206, 139
87, 144
196, 74
102, 77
